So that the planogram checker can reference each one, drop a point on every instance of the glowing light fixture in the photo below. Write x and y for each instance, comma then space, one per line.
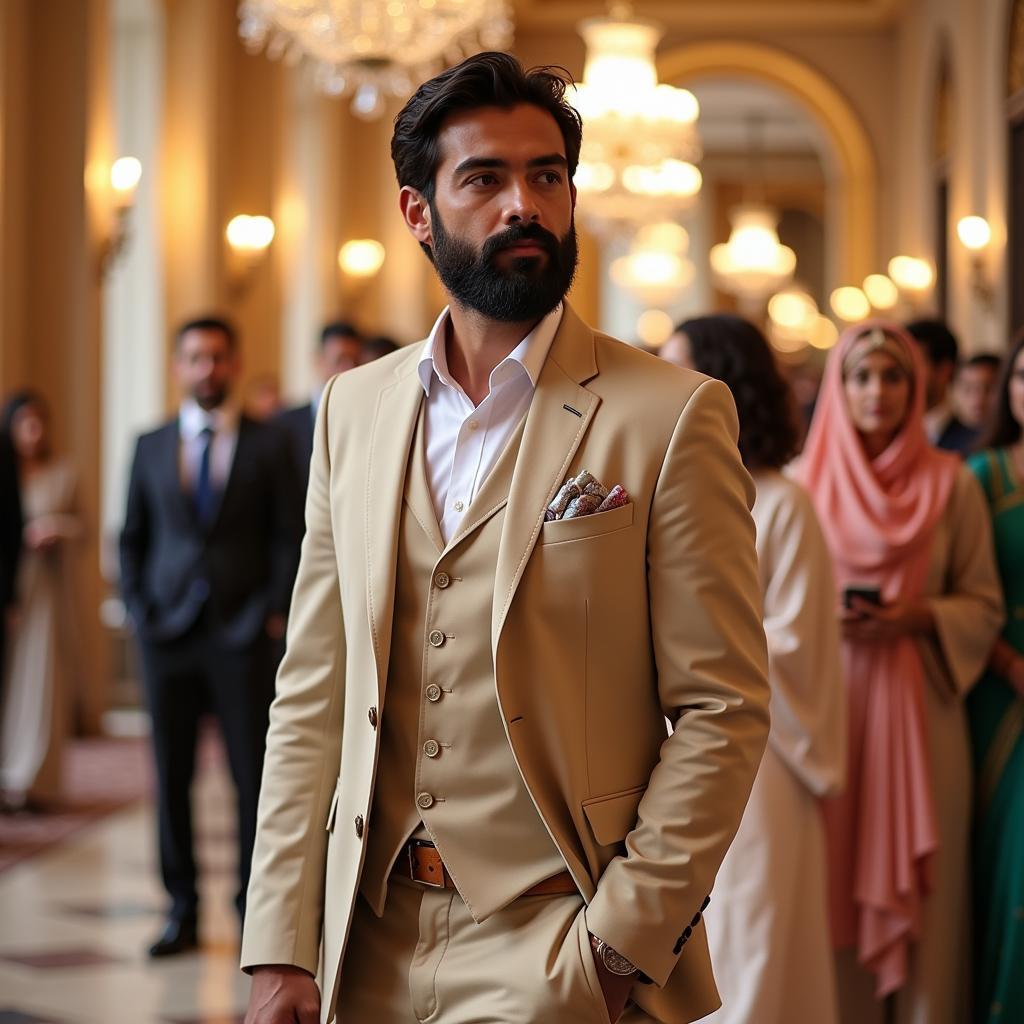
361, 257
850, 304
824, 334
246, 234
125, 174
640, 144
753, 263
974, 233
655, 269
654, 327
881, 292
911, 274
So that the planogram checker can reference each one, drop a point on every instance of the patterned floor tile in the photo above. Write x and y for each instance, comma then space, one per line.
60, 959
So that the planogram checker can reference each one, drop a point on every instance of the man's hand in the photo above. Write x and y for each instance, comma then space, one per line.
614, 987
879, 624
283, 994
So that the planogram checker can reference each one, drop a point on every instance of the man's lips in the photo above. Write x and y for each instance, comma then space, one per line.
524, 249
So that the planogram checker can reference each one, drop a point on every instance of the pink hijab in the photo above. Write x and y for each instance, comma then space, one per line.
879, 516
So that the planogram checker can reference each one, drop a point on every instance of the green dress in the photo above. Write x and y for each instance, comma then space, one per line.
996, 714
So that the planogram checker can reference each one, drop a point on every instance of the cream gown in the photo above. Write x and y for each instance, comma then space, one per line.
41, 649
966, 599
768, 918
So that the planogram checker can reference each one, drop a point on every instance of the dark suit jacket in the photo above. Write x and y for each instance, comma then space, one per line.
298, 424
242, 566
957, 437
10, 523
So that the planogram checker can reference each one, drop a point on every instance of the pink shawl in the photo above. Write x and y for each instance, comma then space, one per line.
879, 517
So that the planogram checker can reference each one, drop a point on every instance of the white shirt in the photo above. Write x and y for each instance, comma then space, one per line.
463, 441
192, 421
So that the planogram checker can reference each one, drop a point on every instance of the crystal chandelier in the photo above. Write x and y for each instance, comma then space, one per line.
639, 137
656, 271
373, 49
753, 263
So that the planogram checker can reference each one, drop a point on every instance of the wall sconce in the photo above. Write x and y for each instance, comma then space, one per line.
975, 234
912, 276
248, 238
361, 257
124, 180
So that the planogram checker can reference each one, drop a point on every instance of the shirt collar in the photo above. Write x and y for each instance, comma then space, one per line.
529, 355
193, 419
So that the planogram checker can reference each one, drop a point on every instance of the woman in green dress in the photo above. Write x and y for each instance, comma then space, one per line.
996, 711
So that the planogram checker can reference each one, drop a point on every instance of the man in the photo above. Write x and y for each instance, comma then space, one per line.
340, 350
974, 389
470, 804
208, 554
940, 349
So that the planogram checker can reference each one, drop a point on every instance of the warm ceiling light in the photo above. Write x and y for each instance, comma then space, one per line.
654, 327
665, 236
881, 292
824, 334
792, 309
361, 257
250, 234
974, 232
752, 263
911, 274
850, 304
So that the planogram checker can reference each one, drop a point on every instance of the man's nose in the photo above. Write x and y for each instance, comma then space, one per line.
521, 204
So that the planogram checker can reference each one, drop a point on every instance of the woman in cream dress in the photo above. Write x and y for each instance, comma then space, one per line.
912, 522
41, 648
767, 922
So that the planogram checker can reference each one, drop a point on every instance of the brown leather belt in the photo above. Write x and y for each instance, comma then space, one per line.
421, 862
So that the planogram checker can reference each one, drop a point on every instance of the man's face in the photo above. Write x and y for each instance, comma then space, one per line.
206, 366
973, 392
500, 225
338, 354
940, 375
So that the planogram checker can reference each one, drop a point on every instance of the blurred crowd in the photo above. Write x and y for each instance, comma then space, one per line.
887, 821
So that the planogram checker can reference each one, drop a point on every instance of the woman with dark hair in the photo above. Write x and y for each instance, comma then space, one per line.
768, 923
41, 650
996, 712
911, 546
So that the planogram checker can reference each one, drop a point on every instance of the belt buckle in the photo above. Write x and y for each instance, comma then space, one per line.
423, 844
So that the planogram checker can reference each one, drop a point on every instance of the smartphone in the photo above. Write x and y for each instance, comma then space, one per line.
873, 595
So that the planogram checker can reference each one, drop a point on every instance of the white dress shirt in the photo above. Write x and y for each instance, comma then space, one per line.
463, 441
192, 421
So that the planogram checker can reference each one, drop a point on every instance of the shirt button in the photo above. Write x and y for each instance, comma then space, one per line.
424, 801
433, 693
359, 826
442, 579
436, 638
431, 748
474, 425
458, 506
372, 716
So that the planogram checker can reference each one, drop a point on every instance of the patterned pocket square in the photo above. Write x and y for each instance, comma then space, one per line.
584, 495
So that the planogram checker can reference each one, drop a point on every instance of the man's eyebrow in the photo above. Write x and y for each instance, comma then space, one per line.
478, 163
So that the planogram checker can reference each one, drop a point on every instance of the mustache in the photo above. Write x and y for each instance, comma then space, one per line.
521, 233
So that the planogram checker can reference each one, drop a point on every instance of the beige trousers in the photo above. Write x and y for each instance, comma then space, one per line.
427, 960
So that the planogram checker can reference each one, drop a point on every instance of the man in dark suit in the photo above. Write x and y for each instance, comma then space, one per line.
941, 351
341, 349
208, 554
10, 541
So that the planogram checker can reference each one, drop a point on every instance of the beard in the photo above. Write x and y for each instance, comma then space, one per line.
528, 290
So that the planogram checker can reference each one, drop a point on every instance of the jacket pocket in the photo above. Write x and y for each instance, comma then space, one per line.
614, 816
595, 525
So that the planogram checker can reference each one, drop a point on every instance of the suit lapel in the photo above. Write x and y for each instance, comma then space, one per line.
171, 459
417, 490
559, 416
242, 450
394, 425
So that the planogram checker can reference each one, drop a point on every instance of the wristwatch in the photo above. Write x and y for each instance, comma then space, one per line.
614, 962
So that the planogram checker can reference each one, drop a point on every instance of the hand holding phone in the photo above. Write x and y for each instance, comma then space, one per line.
862, 592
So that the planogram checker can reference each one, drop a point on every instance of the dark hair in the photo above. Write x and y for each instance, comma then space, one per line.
937, 340
14, 404
735, 352
1002, 429
382, 345
338, 329
988, 360
208, 323
487, 79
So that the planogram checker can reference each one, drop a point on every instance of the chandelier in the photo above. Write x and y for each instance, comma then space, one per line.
656, 271
639, 137
753, 263
373, 49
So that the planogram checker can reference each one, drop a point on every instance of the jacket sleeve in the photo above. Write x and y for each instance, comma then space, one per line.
135, 540
286, 537
284, 907
710, 652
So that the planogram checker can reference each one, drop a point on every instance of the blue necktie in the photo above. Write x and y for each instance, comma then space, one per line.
203, 496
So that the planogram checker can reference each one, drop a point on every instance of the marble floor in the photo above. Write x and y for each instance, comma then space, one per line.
75, 922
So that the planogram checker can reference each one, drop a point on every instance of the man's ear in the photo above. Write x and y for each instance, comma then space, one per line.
416, 213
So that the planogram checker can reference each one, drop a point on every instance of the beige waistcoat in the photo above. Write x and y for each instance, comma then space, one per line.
447, 772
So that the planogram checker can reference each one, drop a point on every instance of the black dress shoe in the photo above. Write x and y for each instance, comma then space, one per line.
178, 937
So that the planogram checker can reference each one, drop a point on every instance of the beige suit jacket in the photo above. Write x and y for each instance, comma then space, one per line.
601, 627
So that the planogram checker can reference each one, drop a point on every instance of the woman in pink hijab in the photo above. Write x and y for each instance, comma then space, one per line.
920, 607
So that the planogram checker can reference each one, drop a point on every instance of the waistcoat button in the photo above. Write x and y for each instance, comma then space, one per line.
436, 638
424, 801
433, 693
431, 748
372, 716
359, 826
442, 579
